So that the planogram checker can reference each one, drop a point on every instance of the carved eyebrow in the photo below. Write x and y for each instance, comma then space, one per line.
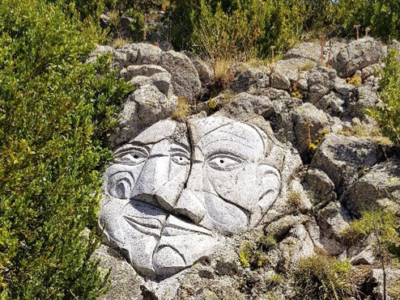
180, 148
227, 153
132, 147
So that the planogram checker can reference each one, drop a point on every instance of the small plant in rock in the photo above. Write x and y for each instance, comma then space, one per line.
254, 254
381, 221
313, 146
294, 199
355, 80
182, 111
119, 43
297, 94
322, 277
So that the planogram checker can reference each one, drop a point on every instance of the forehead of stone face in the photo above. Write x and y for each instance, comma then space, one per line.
166, 129
214, 135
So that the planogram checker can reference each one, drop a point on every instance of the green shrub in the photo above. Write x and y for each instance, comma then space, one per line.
227, 35
382, 16
55, 112
322, 277
388, 115
254, 254
381, 223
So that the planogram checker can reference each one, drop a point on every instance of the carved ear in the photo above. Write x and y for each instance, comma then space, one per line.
270, 183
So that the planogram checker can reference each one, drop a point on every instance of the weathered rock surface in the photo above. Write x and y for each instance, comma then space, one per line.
145, 106
245, 106
357, 55
181, 199
321, 81
343, 157
308, 51
379, 187
251, 81
308, 123
185, 78
362, 98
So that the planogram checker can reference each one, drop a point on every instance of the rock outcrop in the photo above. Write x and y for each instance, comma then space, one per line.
265, 174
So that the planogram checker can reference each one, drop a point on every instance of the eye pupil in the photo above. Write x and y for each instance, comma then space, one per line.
221, 161
135, 156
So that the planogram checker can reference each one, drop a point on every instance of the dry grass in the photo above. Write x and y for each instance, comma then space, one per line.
182, 111
223, 72
114, 17
355, 80
294, 198
119, 43
374, 134
307, 66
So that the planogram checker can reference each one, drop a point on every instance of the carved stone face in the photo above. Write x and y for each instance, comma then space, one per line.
165, 196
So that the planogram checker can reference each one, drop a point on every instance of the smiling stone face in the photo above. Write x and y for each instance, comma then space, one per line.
166, 197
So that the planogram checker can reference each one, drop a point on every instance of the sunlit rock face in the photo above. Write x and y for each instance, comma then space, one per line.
173, 189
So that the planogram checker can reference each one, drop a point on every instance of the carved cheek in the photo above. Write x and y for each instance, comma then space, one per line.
238, 186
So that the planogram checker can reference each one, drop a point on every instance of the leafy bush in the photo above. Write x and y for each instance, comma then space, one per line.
388, 115
254, 254
382, 224
322, 277
55, 112
382, 16
227, 35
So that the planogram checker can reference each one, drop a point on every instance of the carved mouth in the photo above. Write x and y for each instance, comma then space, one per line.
149, 226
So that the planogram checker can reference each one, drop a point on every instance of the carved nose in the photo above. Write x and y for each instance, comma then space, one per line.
153, 176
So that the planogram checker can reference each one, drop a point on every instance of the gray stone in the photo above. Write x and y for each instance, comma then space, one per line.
380, 182
296, 70
357, 55
342, 158
296, 246
361, 99
251, 81
131, 52
279, 81
147, 54
320, 187
275, 94
392, 281
145, 106
162, 81
142, 70
366, 257
342, 87
321, 81
373, 70
125, 283
281, 227
303, 131
308, 51
332, 104
333, 219
245, 106
185, 78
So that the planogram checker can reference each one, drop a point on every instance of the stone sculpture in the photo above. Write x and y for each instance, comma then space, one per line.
173, 189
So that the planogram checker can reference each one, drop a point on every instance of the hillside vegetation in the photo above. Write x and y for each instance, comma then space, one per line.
56, 111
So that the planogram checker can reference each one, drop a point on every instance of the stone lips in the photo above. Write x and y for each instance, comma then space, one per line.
171, 190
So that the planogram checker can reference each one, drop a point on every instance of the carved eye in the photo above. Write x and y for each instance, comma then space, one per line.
224, 162
120, 185
131, 157
180, 159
